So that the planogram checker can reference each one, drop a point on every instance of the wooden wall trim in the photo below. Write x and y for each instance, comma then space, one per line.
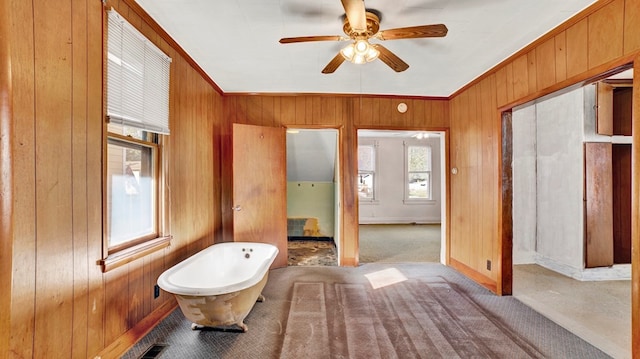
635, 216
527, 49
474, 275
336, 95
505, 283
166, 37
587, 77
6, 179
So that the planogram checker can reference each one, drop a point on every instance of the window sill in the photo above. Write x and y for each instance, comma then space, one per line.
128, 255
419, 201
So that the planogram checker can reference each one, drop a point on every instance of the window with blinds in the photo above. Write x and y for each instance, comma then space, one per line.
137, 78
138, 110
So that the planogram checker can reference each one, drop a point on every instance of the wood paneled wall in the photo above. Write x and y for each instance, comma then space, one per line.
348, 114
601, 38
61, 304
6, 177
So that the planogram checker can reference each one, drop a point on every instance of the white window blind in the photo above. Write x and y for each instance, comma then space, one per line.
137, 78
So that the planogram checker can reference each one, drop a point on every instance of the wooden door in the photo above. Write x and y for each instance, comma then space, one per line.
621, 164
598, 205
259, 187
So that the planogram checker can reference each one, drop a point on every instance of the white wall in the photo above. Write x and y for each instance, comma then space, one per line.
389, 206
560, 173
312, 200
548, 218
524, 184
548, 180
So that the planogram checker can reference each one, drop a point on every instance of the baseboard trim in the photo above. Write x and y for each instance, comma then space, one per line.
403, 220
615, 272
127, 340
477, 277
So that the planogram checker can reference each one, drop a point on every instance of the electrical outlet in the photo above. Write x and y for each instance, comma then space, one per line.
488, 264
156, 291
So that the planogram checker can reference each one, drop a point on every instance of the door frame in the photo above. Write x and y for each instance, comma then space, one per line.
338, 214
445, 221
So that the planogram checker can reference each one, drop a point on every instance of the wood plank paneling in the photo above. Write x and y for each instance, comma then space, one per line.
606, 38
54, 209
346, 113
79, 182
631, 26
59, 144
6, 178
490, 170
520, 77
546, 64
561, 56
48, 123
532, 71
577, 48
501, 86
24, 250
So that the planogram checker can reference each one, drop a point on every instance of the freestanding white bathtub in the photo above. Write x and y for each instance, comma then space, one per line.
219, 285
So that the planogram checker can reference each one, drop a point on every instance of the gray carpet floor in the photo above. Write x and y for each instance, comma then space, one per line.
399, 243
409, 310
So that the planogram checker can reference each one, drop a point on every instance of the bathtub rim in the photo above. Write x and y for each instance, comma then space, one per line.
165, 284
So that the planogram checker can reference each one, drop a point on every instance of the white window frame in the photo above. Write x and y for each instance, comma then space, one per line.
407, 174
374, 198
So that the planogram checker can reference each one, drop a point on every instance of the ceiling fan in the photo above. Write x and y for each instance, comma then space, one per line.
360, 25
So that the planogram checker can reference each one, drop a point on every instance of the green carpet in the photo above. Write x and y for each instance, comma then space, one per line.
399, 243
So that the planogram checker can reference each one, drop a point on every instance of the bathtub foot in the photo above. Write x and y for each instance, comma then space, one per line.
260, 298
243, 327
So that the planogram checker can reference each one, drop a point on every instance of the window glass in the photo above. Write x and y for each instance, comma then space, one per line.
419, 172
131, 192
366, 172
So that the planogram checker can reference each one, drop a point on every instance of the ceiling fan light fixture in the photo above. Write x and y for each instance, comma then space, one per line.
360, 52
348, 52
372, 54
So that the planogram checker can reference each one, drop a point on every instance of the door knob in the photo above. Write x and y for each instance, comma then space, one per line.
236, 208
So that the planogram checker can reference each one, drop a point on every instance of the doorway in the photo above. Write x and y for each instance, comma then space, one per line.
312, 196
402, 195
552, 140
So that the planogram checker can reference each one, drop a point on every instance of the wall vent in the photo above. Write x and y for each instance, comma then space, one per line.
153, 351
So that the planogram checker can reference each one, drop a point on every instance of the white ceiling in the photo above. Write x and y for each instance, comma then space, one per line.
236, 41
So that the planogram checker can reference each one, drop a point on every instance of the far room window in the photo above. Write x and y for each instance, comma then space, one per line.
138, 120
366, 172
418, 173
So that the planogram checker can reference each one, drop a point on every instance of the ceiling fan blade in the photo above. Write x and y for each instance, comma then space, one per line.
390, 59
289, 40
333, 64
413, 32
356, 14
